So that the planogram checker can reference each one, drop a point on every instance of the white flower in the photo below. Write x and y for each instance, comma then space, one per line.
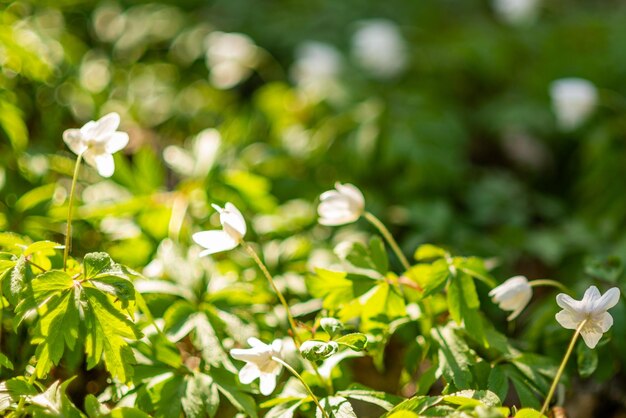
379, 47
259, 363
512, 295
592, 308
517, 12
316, 69
231, 57
341, 206
97, 141
573, 100
231, 235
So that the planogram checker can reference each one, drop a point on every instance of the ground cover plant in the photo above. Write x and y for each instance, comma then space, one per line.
384, 215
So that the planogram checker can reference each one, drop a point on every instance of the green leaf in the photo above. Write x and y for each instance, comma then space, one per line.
454, 355
12, 123
417, 404
121, 288
96, 263
337, 407
5, 362
355, 341
475, 267
587, 360
382, 399
200, 396
381, 306
431, 277
498, 382
427, 252
609, 269
529, 413
379, 255
108, 327
473, 398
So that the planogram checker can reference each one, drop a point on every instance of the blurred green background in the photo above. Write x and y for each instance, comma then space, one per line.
449, 115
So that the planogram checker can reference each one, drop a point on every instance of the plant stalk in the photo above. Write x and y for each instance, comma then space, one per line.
283, 301
548, 282
68, 230
388, 237
559, 372
308, 389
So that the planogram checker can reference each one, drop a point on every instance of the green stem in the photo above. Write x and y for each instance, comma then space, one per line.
548, 282
283, 301
20, 405
388, 237
308, 389
559, 372
68, 230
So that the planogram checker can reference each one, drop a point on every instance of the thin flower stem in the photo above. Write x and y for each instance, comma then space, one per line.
283, 301
20, 404
68, 230
559, 372
308, 389
43, 270
548, 282
388, 237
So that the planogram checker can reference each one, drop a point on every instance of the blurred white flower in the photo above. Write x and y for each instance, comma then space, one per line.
343, 205
198, 160
231, 235
592, 308
259, 363
97, 141
517, 12
379, 48
573, 100
316, 69
512, 295
231, 57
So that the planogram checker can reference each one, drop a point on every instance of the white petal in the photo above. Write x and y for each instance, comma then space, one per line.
607, 301
105, 126
105, 165
352, 192
277, 345
567, 302
330, 195
605, 321
248, 373
233, 221
74, 140
116, 142
522, 301
214, 241
342, 220
592, 294
591, 337
256, 343
567, 319
249, 355
268, 383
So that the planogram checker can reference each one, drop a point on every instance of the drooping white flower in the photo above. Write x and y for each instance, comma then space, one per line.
197, 159
232, 232
97, 141
259, 363
573, 100
379, 48
517, 12
343, 205
592, 308
512, 295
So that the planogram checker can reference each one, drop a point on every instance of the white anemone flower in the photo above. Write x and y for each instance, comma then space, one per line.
97, 141
573, 100
592, 308
517, 12
232, 232
259, 363
343, 205
378, 47
512, 295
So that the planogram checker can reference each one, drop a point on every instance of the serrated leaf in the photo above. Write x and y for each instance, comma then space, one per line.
42, 246
379, 255
431, 277
417, 404
355, 341
121, 288
473, 398
109, 327
382, 399
5, 362
96, 263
